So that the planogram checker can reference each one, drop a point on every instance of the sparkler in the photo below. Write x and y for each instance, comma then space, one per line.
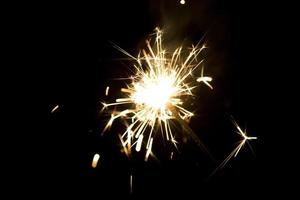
157, 95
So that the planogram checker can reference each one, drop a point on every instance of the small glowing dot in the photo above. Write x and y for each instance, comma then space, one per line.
95, 160
182, 2
171, 157
106, 91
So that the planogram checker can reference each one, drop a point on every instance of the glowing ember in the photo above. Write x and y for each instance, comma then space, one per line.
95, 160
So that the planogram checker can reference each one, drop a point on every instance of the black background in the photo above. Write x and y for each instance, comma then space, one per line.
67, 59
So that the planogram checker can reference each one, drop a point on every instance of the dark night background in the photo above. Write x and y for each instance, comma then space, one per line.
68, 60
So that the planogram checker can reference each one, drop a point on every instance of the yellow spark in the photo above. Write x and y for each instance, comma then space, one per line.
106, 90
149, 148
242, 142
244, 136
139, 143
205, 79
182, 2
157, 94
54, 109
95, 160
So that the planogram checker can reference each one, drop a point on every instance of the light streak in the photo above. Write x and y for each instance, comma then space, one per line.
130, 182
106, 90
54, 109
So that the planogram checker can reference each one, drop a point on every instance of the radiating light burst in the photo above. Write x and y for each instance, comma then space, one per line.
245, 138
241, 143
158, 93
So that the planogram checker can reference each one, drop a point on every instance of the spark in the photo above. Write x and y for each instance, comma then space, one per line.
244, 136
149, 148
205, 79
139, 143
234, 153
130, 184
182, 2
158, 94
106, 90
171, 156
95, 160
54, 109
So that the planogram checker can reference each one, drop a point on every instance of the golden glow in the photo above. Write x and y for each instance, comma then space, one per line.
182, 2
154, 92
157, 94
